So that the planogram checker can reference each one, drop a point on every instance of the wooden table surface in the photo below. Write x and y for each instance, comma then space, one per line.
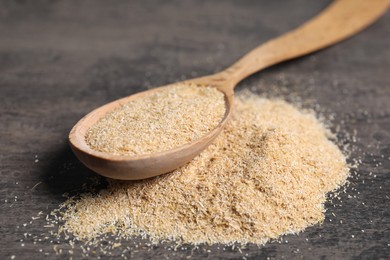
61, 59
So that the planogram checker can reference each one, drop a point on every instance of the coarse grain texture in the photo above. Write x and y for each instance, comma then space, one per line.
266, 175
160, 121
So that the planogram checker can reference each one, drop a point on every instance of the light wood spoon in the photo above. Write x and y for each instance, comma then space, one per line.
341, 19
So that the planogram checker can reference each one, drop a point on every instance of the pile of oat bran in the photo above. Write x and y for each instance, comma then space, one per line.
266, 175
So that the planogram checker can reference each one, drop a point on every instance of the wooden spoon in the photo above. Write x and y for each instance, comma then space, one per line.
341, 19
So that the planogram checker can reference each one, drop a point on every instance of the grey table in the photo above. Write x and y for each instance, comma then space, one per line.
61, 59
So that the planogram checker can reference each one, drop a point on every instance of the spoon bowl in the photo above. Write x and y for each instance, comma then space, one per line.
341, 19
136, 167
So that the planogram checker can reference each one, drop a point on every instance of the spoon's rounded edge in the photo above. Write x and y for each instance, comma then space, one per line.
138, 167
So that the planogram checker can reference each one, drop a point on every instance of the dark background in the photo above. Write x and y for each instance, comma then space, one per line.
60, 59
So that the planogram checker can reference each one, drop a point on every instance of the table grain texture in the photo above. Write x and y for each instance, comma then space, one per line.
61, 59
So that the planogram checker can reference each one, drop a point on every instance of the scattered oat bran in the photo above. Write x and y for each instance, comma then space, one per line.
267, 174
161, 121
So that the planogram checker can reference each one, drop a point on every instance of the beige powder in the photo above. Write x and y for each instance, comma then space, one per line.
161, 121
267, 174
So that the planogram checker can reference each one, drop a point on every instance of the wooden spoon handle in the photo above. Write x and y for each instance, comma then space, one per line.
341, 19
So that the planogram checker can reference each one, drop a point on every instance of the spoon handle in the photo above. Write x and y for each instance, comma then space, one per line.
340, 20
